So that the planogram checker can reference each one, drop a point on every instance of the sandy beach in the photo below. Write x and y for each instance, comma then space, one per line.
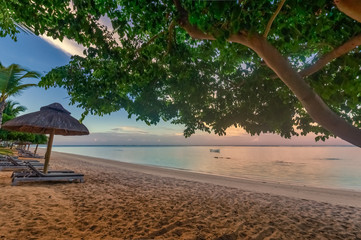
127, 201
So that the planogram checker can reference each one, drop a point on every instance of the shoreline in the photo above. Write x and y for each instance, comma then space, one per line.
128, 201
336, 169
328, 195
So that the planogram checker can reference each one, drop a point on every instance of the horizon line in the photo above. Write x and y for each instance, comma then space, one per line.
199, 145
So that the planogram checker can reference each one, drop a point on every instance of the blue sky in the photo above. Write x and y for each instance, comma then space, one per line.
42, 54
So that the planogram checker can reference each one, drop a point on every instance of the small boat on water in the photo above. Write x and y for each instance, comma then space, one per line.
214, 150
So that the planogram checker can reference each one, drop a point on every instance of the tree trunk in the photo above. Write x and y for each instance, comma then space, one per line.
2, 107
351, 8
36, 149
313, 104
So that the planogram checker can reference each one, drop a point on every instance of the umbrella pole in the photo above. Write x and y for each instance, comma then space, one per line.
48, 151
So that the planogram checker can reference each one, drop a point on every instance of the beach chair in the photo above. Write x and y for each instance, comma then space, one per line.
28, 172
15, 158
14, 165
28, 154
34, 175
4, 158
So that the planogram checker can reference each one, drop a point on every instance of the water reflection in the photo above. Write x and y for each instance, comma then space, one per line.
337, 167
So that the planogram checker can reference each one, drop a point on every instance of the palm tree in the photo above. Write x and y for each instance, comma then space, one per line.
11, 83
11, 111
13, 108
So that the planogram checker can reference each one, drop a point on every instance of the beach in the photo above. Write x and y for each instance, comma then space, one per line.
128, 201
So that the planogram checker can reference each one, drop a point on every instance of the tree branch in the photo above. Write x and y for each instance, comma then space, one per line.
193, 31
309, 99
346, 47
243, 38
351, 8
269, 24
240, 37
313, 104
337, 52
152, 39
171, 37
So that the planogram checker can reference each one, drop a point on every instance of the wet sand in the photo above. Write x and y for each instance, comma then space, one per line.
127, 201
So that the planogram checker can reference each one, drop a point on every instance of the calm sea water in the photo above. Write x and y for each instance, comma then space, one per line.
331, 167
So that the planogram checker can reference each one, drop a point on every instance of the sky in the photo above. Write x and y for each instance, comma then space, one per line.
42, 54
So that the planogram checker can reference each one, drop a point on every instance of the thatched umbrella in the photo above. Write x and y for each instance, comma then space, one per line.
52, 119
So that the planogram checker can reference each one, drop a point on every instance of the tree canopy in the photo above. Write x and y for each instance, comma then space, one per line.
267, 66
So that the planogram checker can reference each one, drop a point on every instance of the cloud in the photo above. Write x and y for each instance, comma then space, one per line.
127, 129
233, 131
105, 21
69, 47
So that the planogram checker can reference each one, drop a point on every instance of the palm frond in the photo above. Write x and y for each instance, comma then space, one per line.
31, 74
17, 90
3, 80
11, 77
13, 108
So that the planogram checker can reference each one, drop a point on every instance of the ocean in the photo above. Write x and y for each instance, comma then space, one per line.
337, 167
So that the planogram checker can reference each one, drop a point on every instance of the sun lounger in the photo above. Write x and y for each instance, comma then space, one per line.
15, 161
4, 159
14, 165
37, 176
28, 154
28, 172
16, 158
17, 168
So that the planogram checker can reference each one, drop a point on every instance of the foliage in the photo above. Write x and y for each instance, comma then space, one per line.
153, 69
11, 83
40, 139
57, 19
16, 136
11, 110
11, 80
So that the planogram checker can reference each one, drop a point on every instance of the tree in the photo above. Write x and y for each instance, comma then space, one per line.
12, 110
263, 65
11, 83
